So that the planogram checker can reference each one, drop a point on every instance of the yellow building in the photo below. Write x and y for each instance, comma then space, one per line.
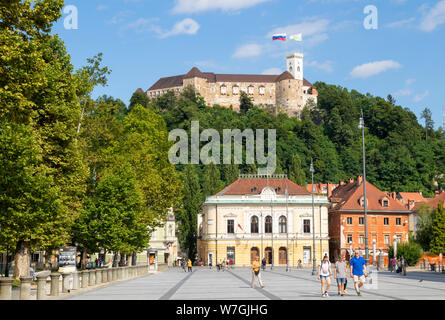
263, 216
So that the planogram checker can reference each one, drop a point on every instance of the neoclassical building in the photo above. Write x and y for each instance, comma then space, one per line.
289, 91
256, 217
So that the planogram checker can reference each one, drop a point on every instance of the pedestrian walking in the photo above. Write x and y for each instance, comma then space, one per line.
256, 272
300, 265
189, 265
358, 271
324, 274
393, 264
263, 263
184, 264
340, 274
218, 265
403, 263
224, 265
230, 263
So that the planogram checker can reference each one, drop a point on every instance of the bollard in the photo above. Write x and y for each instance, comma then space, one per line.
99, 276
41, 286
75, 280
65, 282
6, 288
85, 277
54, 284
25, 288
92, 280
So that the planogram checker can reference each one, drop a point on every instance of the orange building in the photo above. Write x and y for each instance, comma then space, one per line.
387, 217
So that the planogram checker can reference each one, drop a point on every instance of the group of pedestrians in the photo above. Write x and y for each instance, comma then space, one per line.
224, 264
357, 272
399, 265
187, 264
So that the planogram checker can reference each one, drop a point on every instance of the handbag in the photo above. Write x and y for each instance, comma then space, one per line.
257, 272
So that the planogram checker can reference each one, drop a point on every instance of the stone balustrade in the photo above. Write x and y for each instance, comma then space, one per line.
78, 280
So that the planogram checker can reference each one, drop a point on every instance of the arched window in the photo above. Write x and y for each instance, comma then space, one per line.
254, 224
283, 224
268, 225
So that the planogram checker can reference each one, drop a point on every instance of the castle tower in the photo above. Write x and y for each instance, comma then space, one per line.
294, 64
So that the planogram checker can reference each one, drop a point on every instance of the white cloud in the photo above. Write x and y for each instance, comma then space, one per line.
273, 71
186, 26
325, 66
198, 6
373, 68
410, 81
403, 93
248, 51
400, 23
420, 97
434, 17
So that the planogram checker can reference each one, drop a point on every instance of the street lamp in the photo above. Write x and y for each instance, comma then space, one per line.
314, 270
361, 126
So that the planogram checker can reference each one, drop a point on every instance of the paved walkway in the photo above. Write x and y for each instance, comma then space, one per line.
206, 284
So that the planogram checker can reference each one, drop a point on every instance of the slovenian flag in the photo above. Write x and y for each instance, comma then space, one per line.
281, 36
240, 227
296, 37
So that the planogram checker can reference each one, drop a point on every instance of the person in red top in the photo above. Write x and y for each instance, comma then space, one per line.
230, 263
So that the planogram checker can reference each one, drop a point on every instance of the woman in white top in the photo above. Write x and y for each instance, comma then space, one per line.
324, 274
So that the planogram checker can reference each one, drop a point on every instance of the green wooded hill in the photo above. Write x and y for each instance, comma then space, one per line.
402, 154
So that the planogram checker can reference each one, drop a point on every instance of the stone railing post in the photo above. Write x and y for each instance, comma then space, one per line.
54, 284
85, 276
75, 280
6, 288
119, 273
114, 272
92, 280
66, 282
105, 275
41, 286
25, 288
98, 276
110, 274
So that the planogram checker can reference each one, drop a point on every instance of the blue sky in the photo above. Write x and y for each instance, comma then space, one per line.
143, 40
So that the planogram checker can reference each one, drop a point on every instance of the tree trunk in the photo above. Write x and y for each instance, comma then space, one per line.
115, 259
84, 259
134, 259
122, 262
22, 260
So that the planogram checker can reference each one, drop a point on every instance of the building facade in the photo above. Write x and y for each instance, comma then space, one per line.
288, 91
255, 217
387, 218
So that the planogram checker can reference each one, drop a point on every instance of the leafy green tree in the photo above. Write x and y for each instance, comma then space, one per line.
231, 173
296, 174
245, 102
191, 206
39, 104
391, 99
438, 236
410, 250
139, 98
425, 218
429, 123
212, 180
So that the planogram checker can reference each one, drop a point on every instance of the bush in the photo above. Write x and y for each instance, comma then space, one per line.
411, 251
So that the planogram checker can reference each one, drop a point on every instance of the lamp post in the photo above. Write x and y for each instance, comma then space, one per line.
394, 244
361, 126
314, 270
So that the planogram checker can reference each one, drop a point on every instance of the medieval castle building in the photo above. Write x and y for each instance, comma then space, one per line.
288, 91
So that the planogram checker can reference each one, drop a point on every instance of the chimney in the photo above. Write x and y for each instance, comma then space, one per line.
359, 179
420, 192
393, 195
410, 204
342, 183
351, 180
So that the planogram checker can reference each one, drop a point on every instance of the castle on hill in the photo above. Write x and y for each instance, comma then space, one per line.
289, 91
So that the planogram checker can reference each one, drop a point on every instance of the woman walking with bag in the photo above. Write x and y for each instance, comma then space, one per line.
256, 272
324, 274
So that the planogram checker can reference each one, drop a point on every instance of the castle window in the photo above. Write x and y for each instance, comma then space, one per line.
223, 89
262, 90
250, 89
235, 90
298, 69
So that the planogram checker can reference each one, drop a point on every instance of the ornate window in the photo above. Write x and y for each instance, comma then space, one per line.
250, 90
230, 226
268, 225
262, 90
283, 224
235, 90
306, 226
254, 224
223, 89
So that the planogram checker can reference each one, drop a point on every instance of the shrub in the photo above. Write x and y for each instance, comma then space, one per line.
411, 251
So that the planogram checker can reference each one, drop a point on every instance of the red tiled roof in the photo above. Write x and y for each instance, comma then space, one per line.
415, 196
434, 202
246, 186
348, 198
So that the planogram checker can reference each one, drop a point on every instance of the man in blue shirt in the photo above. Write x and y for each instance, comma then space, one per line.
358, 271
